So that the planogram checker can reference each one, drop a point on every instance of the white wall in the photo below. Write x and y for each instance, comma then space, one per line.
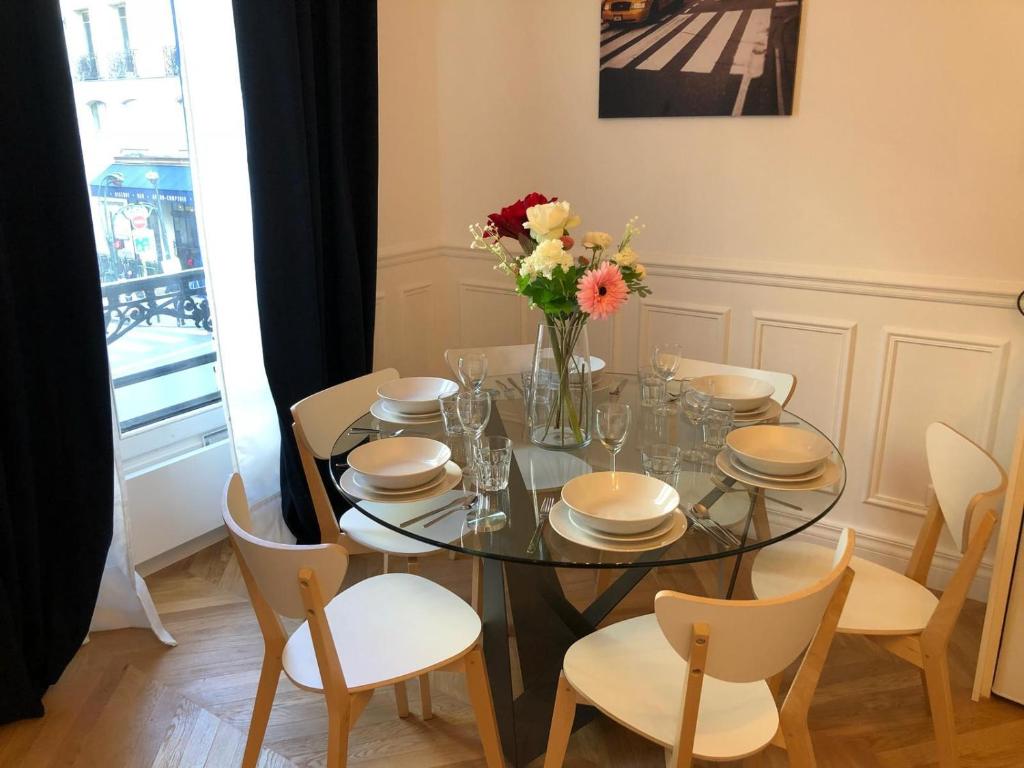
872, 243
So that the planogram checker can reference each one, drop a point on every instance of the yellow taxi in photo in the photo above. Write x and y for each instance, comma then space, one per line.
615, 11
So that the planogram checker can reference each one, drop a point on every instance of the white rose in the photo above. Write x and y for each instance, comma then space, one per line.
545, 257
550, 220
597, 240
626, 257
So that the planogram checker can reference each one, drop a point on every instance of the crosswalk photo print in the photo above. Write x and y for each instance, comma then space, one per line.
680, 58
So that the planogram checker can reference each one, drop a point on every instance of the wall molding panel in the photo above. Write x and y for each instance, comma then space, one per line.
491, 314
819, 352
695, 323
967, 396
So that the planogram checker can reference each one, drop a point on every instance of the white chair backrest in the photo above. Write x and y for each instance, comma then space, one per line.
752, 640
275, 567
784, 383
960, 471
501, 361
323, 416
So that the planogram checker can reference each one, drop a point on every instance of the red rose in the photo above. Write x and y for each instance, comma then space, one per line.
567, 242
510, 220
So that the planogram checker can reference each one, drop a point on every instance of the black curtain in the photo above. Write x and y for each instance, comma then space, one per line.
309, 88
56, 459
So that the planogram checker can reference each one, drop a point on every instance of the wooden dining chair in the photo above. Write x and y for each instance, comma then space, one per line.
784, 383
318, 421
501, 361
379, 632
692, 675
898, 611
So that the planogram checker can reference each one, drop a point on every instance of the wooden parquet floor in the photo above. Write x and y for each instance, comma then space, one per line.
126, 700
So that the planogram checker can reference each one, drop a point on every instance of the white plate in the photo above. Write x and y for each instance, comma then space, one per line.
365, 485
452, 477
776, 450
416, 395
380, 410
770, 411
828, 477
654, 533
620, 502
816, 472
564, 527
743, 393
399, 463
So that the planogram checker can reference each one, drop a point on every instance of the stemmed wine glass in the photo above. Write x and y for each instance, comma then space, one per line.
612, 423
695, 406
665, 360
473, 370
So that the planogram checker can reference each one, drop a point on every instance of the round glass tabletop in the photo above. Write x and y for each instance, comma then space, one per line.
728, 517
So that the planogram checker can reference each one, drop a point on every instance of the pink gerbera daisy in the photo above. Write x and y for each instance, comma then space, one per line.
600, 292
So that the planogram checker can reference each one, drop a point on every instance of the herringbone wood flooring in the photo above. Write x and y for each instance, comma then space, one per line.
126, 700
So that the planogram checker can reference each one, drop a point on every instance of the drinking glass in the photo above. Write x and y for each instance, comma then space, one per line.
653, 391
450, 414
663, 462
612, 422
473, 370
492, 457
695, 405
718, 422
660, 424
665, 360
474, 410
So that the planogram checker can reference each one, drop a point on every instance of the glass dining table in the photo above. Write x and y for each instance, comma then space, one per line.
520, 584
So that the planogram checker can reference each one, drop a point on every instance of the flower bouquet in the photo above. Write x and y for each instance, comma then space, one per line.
570, 290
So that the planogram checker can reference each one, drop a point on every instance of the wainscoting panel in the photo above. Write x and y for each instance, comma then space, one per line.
819, 352
930, 377
418, 340
490, 314
702, 330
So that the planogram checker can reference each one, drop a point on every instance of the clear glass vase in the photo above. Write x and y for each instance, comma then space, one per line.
560, 401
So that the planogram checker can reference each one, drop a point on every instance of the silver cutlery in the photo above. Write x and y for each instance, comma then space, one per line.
452, 511
515, 385
618, 388
701, 525
461, 500
375, 431
702, 512
542, 521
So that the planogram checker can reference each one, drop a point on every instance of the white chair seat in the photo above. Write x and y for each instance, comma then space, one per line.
881, 601
373, 535
630, 672
386, 629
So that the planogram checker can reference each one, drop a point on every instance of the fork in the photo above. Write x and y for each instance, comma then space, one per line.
701, 525
542, 521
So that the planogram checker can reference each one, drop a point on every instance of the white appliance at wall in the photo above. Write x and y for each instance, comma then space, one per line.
1001, 656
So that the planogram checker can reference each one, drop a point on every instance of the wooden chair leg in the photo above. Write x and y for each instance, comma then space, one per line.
799, 747
940, 701
401, 700
412, 564
483, 707
425, 704
337, 735
386, 566
270, 675
561, 724
775, 684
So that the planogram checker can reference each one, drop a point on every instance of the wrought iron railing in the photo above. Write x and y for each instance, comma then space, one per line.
122, 64
128, 304
86, 68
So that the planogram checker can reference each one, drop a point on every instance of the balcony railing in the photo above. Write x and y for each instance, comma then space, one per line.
86, 68
172, 64
130, 303
122, 64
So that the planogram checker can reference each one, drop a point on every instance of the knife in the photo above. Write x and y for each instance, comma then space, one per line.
457, 502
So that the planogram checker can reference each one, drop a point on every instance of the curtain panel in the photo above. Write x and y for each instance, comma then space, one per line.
308, 71
56, 455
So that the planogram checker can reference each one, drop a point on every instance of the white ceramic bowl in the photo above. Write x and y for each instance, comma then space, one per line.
743, 393
399, 462
620, 502
416, 395
777, 450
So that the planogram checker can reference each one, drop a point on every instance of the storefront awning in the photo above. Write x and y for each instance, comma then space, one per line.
131, 185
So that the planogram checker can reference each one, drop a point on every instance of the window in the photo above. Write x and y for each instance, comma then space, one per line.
85, 66
97, 109
153, 283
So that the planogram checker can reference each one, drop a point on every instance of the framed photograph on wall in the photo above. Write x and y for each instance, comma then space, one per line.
678, 58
